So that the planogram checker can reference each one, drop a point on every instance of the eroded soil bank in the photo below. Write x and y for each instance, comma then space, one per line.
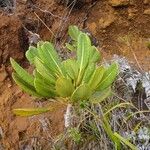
117, 27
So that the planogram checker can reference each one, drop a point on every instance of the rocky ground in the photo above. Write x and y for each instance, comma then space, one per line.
117, 27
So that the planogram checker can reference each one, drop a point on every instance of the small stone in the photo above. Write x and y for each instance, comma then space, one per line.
3, 73
92, 26
117, 3
131, 13
24, 1
132, 2
20, 124
104, 31
147, 11
33, 38
146, 1
1, 132
9, 85
106, 22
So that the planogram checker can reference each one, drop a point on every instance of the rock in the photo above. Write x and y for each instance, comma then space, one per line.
147, 11
117, 3
132, 2
1, 132
24, 1
92, 26
131, 13
106, 22
146, 1
78, 3
20, 124
5, 96
3, 74
33, 38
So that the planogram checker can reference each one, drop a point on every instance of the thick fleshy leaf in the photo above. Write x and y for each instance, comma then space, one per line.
24, 85
83, 51
50, 57
94, 55
88, 73
23, 74
74, 32
39, 44
43, 70
108, 77
96, 77
71, 68
39, 76
44, 89
64, 87
81, 93
31, 53
70, 47
39, 48
100, 96
26, 112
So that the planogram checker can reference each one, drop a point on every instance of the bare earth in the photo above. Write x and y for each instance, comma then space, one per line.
108, 21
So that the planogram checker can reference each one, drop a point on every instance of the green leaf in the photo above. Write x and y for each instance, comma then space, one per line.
23, 74
50, 57
100, 96
88, 72
39, 44
120, 105
75, 134
94, 55
43, 70
24, 85
70, 47
71, 68
64, 87
43, 86
31, 53
25, 112
81, 93
96, 77
83, 50
109, 77
44, 89
125, 141
74, 32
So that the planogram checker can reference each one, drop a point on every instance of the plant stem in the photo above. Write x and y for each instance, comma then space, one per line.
68, 116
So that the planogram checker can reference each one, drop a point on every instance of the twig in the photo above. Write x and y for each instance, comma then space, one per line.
85, 18
138, 64
46, 11
66, 16
45, 25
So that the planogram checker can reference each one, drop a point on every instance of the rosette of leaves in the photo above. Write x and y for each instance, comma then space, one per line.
76, 79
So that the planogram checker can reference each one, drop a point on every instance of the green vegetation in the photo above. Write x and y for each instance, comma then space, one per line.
76, 79
80, 81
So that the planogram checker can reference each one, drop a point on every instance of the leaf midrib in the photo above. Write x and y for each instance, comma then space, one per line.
54, 61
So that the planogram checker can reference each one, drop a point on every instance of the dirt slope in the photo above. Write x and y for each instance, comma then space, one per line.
107, 21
